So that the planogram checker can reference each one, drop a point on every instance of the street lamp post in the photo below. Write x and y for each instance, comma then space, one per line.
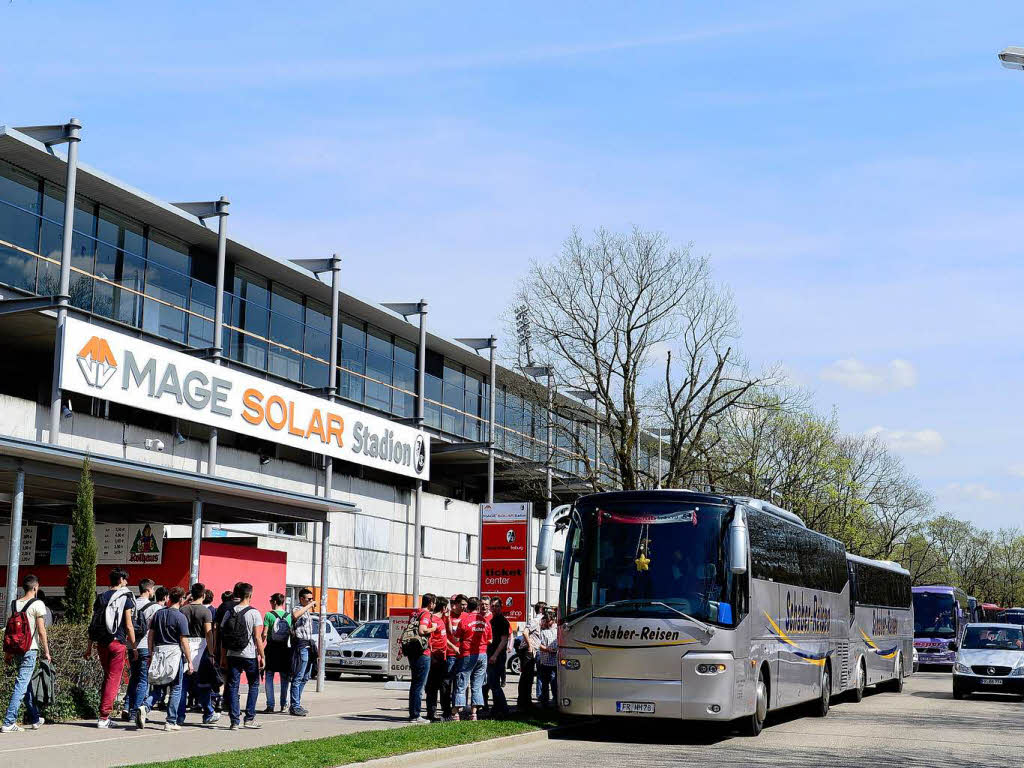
491, 343
405, 309
536, 371
661, 431
317, 267
1012, 57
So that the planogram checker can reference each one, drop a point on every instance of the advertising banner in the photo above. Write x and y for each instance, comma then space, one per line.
504, 556
120, 368
398, 665
44, 544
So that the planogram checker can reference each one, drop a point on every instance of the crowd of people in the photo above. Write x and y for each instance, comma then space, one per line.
179, 650
181, 653
457, 652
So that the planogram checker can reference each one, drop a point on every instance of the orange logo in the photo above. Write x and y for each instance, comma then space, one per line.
97, 362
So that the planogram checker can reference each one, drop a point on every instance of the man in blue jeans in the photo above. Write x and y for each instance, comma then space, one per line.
419, 665
146, 605
35, 612
168, 645
248, 659
302, 650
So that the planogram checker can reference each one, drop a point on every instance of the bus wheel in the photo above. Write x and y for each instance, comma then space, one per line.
857, 693
822, 704
896, 684
753, 724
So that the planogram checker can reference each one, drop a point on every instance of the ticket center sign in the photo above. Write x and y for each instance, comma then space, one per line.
120, 368
504, 555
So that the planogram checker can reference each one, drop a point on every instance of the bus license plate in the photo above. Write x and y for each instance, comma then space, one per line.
635, 707
988, 681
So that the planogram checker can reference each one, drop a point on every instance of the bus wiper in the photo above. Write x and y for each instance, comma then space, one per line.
598, 609
708, 631
704, 628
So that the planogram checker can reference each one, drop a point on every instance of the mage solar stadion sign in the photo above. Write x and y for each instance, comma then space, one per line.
116, 367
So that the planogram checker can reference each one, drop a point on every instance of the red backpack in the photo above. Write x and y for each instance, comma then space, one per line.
18, 632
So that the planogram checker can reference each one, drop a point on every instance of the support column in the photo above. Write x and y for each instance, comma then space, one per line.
325, 549
197, 540
218, 315
493, 345
420, 410
14, 545
548, 473
64, 296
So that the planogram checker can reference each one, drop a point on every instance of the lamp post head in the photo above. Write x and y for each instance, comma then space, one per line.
1012, 57
538, 370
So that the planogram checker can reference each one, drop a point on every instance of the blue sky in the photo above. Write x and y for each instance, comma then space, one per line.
853, 170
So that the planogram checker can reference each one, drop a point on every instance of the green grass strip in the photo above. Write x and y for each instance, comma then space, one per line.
361, 746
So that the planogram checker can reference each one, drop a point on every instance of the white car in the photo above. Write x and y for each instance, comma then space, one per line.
364, 652
990, 659
917, 661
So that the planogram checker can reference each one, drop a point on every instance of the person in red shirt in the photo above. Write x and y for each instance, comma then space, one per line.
441, 663
472, 633
457, 608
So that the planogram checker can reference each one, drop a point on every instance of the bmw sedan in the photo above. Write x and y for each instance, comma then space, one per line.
365, 652
990, 659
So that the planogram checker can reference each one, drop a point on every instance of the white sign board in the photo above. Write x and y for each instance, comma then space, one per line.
398, 665
120, 368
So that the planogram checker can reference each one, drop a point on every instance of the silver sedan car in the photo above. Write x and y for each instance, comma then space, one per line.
364, 652
990, 659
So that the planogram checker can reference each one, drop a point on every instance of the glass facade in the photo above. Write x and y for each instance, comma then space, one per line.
134, 274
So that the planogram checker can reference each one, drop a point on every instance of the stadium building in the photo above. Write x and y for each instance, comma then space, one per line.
232, 435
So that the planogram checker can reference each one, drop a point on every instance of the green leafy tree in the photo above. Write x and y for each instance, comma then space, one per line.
81, 588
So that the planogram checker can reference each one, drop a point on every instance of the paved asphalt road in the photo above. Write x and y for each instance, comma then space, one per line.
923, 726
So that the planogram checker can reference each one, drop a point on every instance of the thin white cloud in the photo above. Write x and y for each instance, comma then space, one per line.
865, 377
926, 442
970, 493
1017, 470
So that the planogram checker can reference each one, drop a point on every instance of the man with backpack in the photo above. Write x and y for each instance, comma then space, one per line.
169, 656
113, 633
415, 644
24, 634
138, 678
200, 637
241, 643
303, 649
277, 628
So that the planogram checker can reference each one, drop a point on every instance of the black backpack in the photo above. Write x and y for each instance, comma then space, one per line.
140, 620
234, 632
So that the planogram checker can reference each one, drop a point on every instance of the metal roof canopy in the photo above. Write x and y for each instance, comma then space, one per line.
167, 493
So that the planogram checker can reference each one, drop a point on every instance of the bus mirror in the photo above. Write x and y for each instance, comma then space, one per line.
546, 540
738, 543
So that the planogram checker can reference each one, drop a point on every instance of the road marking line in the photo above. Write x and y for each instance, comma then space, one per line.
134, 734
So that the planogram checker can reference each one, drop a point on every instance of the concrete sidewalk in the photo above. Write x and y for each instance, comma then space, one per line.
345, 706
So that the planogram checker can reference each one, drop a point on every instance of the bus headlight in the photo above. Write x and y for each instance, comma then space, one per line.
961, 669
570, 663
710, 669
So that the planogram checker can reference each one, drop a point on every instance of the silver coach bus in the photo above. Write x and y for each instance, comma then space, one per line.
686, 605
881, 624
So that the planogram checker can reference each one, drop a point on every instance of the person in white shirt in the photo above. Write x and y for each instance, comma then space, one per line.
547, 668
35, 611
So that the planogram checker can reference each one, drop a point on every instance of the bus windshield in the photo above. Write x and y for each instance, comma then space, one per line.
646, 553
934, 615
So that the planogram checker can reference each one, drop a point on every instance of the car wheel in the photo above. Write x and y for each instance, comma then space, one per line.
753, 724
515, 665
857, 693
958, 692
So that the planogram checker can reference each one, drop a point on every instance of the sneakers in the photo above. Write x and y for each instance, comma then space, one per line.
105, 722
211, 719
140, 716
269, 710
35, 726
12, 728
298, 712
418, 720
251, 724
171, 726
126, 716
234, 727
